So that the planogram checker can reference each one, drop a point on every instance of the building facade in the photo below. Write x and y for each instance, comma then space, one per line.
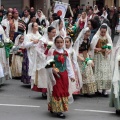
21, 4
45, 4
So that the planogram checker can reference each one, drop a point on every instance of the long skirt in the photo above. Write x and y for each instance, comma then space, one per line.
102, 71
75, 86
25, 78
40, 83
89, 84
4, 66
16, 67
115, 102
59, 97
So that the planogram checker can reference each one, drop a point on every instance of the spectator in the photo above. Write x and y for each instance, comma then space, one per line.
9, 10
26, 16
118, 10
91, 14
79, 9
98, 20
78, 17
32, 11
93, 26
74, 14
114, 19
107, 9
3, 9
87, 9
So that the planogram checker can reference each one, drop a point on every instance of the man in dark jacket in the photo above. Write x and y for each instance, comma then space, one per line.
114, 19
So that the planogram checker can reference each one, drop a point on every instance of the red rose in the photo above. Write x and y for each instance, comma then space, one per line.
61, 59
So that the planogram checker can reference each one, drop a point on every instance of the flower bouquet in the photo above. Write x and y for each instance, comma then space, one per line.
8, 46
51, 64
41, 29
48, 46
88, 61
108, 46
19, 51
1, 42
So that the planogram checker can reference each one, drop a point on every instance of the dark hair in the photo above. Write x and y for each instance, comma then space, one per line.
91, 8
107, 22
28, 10
55, 16
103, 27
33, 24
59, 22
32, 16
69, 38
50, 29
98, 21
57, 38
8, 13
21, 36
94, 23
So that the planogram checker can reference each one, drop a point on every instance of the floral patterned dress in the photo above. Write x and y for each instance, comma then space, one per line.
102, 71
59, 97
89, 84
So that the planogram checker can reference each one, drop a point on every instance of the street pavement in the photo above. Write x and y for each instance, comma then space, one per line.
18, 102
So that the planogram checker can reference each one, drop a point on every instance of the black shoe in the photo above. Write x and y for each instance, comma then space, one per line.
105, 94
117, 112
51, 112
44, 95
98, 93
61, 115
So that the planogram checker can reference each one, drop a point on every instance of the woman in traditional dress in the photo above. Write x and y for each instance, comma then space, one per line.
82, 46
41, 19
101, 47
96, 10
9, 26
104, 14
115, 90
4, 64
48, 39
37, 59
17, 58
77, 85
82, 22
58, 81
60, 29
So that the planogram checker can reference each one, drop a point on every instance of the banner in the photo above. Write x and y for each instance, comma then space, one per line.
61, 9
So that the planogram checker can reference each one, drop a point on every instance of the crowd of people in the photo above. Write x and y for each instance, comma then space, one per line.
62, 57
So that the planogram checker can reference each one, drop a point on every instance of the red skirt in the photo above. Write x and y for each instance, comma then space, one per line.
62, 85
43, 90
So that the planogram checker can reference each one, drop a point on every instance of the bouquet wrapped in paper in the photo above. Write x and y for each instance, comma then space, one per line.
51, 64
8, 46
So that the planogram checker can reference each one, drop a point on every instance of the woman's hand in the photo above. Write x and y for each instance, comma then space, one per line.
72, 79
92, 64
35, 41
98, 49
81, 58
108, 52
19, 51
